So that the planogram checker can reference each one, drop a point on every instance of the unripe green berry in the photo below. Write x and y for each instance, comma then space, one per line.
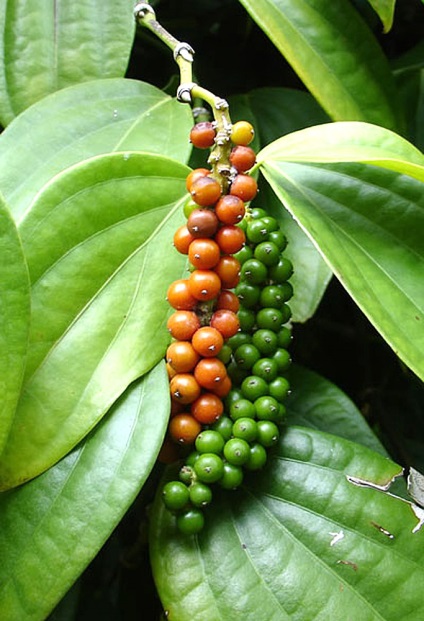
245, 428
232, 477
254, 387
269, 319
236, 451
243, 408
209, 467
209, 441
224, 426
175, 495
268, 433
200, 494
257, 457
267, 408
266, 368
279, 388
254, 272
282, 359
191, 522
267, 252
246, 356
186, 474
265, 341
247, 318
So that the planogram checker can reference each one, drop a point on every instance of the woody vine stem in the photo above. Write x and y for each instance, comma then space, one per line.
189, 90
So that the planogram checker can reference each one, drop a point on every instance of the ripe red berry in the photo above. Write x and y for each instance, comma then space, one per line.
204, 253
230, 209
182, 356
184, 388
244, 187
230, 239
182, 239
226, 322
207, 408
183, 324
207, 342
205, 191
242, 158
228, 270
202, 135
184, 428
204, 284
202, 223
195, 174
179, 295
210, 372
223, 388
228, 300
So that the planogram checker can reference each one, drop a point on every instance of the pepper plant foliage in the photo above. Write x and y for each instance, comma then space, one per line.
92, 177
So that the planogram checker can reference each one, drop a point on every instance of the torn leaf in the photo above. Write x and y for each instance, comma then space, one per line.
415, 486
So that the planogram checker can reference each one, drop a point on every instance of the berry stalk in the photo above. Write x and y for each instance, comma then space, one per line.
228, 357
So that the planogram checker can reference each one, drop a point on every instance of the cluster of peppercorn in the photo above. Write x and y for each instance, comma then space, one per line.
228, 356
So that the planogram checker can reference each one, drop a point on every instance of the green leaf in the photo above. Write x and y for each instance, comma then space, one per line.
367, 223
312, 537
14, 323
52, 527
317, 403
82, 121
98, 241
347, 142
335, 55
46, 46
385, 9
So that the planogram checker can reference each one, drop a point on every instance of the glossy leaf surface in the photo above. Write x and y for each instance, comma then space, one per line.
83, 121
317, 403
98, 241
367, 223
348, 75
299, 541
365, 220
14, 319
46, 46
52, 527
348, 142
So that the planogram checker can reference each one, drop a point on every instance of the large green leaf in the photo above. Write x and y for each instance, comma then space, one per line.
313, 536
347, 142
83, 121
365, 220
367, 223
98, 241
52, 527
46, 46
335, 54
14, 319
